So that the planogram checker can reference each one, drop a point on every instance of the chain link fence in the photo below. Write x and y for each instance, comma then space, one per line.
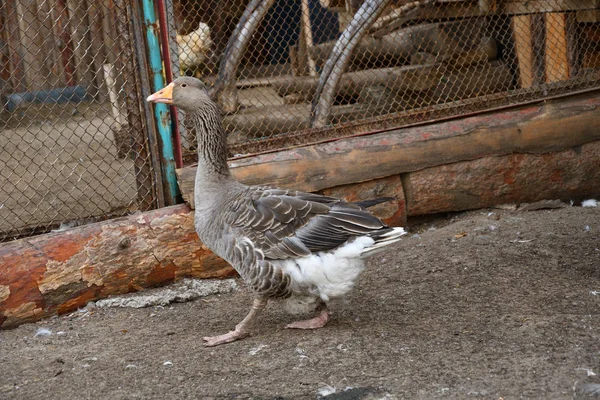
74, 140
77, 142
300, 71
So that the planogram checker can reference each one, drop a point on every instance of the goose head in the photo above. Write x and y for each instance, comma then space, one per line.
187, 93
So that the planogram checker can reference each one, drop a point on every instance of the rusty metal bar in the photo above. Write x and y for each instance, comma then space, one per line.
161, 111
143, 83
224, 89
164, 42
339, 57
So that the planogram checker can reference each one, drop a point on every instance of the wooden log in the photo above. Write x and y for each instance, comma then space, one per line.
407, 78
440, 39
571, 174
418, 77
279, 119
535, 128
477, 80
392, 212
59, 272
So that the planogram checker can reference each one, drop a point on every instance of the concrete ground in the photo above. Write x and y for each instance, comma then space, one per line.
489, 304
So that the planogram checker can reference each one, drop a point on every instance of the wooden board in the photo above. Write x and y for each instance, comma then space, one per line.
83, 57
534, 128
523, 38
513, 7
12, 35
32, 45
556, 54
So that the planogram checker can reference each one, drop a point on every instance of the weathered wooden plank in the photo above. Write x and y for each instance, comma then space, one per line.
556, 55
571, 174
50, 57
32, 46
97, 49
59, 272
544, 6
534, 128
12, 34
589, 15
523, 39
83, 58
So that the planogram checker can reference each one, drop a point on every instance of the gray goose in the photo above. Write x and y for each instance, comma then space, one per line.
301, 247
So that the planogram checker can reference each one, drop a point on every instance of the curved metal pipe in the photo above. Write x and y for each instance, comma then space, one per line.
339, 57
224, 90
336, 64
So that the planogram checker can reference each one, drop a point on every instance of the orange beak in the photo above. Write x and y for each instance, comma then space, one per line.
164, 95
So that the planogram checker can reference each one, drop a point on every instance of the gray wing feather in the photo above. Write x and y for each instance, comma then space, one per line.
287, 224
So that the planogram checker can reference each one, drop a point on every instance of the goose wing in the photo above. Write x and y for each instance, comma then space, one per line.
287, 224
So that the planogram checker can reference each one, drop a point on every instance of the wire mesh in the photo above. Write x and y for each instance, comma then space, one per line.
311, 70
73, 141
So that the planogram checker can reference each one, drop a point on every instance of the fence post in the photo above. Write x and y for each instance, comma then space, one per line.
143, 173
161, 111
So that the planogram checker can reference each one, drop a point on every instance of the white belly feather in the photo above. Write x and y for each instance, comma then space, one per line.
327, 275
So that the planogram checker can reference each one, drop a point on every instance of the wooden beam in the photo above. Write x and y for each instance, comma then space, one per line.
59, 272
536, 128
514, 7
556, 55
523, 39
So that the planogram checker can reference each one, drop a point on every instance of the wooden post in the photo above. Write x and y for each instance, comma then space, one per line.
308, 36
523, 38
13, 33
61, 16
143, 173
556, 55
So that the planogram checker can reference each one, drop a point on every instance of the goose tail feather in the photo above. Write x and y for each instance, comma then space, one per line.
382, 240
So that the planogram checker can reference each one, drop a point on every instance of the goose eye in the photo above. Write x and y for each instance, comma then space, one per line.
184, 85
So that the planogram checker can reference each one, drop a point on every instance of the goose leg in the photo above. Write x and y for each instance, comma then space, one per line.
319, 321
241, 329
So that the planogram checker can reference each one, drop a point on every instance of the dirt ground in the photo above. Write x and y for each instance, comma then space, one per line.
59, 163
487, 304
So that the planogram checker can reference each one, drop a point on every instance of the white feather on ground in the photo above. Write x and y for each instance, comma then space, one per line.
589, 203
